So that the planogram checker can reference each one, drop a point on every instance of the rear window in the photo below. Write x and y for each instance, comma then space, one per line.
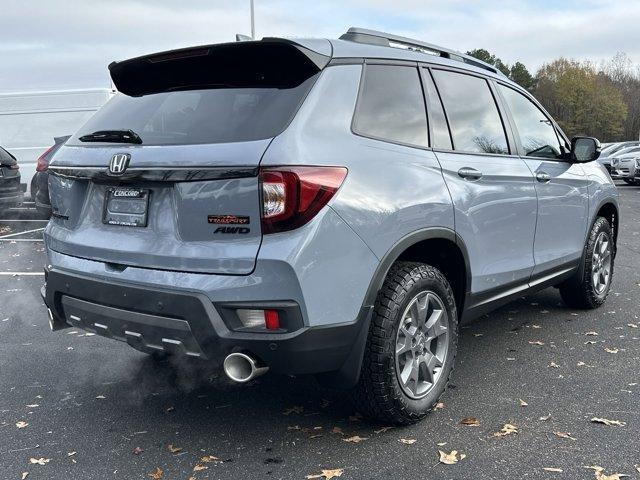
215, 115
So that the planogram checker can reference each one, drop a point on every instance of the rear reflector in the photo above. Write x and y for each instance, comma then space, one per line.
292, 196
271, 319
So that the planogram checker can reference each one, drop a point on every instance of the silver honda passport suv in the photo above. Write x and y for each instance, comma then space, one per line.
325, 207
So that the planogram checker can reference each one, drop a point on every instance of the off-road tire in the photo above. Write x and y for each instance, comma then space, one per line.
378, 394
579, 291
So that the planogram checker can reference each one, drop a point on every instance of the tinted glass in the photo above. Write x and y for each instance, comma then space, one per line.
537, 134
217, 115
391, 105
473, 115
439, 130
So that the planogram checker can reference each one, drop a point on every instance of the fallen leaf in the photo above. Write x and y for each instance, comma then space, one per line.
294, 409
536, 326
337, 430
157, 474
545, 418
169, 409
210, 459
470, 422
327, 474
101, 397
523, 403
199, 468
592, 334
508, 429
21, 424
439, 406
382, 430
611, 350
537, 342
590, 342
552, 469
137, 451
354, 439
71, 454
554, 365
478, 334
632, 325
24, 475
174, 449
441, 444
563, 435
608, 422
39, 461
599, 473
33, 405
408, 441
450, 458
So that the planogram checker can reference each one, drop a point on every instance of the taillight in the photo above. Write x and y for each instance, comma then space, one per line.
14, 167
291, 196
42, 164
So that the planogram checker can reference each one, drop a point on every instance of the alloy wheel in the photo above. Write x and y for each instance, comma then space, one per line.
422, 343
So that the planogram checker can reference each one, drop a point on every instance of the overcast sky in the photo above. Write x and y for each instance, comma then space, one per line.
46, 44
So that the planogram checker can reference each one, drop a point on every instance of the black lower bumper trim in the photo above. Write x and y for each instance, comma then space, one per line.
187, 323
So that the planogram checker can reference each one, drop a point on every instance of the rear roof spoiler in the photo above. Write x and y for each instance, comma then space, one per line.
268, 63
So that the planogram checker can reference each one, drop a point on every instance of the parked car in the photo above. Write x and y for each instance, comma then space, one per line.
609, 153
624, 163
41, 178
326, 207
10, 191
29, 120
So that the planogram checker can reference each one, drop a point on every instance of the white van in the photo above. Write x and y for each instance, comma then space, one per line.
29, 121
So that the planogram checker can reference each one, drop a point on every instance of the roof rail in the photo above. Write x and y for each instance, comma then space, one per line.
373, 37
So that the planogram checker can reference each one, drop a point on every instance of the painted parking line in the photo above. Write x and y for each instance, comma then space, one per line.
21, 274
21, 233
21, 240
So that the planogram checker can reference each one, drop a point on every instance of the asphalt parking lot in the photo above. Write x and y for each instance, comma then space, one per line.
85, 407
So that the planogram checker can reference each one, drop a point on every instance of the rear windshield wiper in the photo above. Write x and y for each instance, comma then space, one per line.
112, 136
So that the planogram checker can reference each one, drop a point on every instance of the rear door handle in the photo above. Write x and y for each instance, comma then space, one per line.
469, 173
543, 177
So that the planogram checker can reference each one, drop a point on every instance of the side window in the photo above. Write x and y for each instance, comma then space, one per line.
472, 112
391, 105
537, 134
439, 130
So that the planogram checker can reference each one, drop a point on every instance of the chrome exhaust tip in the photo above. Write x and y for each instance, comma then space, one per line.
242, 368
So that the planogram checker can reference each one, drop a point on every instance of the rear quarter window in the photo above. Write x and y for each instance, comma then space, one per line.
391, 106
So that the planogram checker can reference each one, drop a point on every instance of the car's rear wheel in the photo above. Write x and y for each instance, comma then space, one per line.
411, 345
591, 285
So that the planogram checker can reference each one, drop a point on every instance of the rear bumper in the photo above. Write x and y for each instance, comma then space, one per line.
188, 323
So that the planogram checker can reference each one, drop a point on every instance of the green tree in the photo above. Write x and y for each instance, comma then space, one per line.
521, 76
582, 100
518, 72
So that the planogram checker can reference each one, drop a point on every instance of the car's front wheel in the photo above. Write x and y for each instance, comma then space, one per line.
411, 345
591, 285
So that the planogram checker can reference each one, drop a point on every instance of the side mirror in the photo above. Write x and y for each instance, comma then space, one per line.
585, 149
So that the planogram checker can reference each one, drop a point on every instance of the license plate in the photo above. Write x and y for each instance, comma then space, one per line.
126, 206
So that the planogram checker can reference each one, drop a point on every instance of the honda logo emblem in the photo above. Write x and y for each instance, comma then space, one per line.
119, 163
